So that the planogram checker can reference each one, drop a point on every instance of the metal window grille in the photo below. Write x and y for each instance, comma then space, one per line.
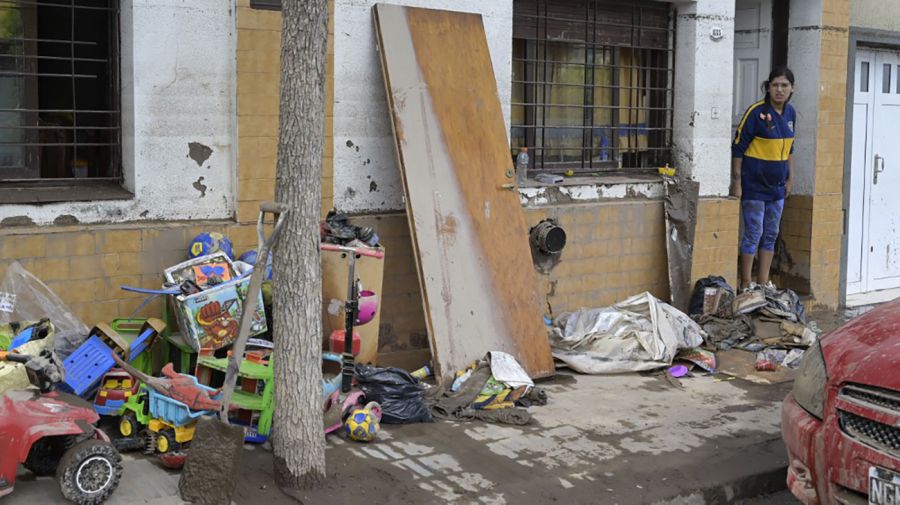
59, 90
272, 5
592, 84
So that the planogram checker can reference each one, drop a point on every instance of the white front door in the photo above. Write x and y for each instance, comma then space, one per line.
752, 53
873, 255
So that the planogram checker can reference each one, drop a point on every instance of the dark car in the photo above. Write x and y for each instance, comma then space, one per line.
841, 422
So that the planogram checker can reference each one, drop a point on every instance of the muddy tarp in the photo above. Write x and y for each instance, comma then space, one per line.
640, 333
681, 220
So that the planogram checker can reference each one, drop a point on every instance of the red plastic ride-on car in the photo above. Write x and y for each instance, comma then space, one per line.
53, 432
841, 423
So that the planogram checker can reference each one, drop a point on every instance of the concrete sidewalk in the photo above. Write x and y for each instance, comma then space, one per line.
622, 439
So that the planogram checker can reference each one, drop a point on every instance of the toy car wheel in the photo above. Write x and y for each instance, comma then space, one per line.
128, 425
150, 442
89, 472
166, 441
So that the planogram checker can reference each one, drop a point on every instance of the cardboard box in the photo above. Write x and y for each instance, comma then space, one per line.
211, 318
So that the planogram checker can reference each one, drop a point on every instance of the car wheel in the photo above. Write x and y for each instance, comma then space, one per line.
89, 472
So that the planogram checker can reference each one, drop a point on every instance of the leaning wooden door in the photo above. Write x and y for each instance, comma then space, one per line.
469, 231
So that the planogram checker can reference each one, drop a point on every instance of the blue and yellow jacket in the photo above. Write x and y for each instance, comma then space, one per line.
765, 140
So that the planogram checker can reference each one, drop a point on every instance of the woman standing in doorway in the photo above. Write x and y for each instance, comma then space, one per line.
761, 154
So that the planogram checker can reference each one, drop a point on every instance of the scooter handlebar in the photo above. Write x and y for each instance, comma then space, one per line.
373, 253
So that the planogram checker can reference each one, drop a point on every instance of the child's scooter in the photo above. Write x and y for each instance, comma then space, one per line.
333, 422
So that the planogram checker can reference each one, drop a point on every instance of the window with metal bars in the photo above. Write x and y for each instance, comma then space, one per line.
272, 5
59, 91
592, 84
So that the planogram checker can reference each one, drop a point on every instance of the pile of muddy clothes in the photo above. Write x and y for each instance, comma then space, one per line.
495, 389
760, 319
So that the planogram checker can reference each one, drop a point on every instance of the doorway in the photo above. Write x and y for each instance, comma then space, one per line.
873, 235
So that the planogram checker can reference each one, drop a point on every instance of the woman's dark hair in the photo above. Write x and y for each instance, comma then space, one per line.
781, 71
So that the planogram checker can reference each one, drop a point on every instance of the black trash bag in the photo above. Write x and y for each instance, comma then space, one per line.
400, 395
713, 281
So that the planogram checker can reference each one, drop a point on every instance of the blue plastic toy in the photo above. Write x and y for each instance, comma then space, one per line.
249, 257
209, 243
90, 362
174, 412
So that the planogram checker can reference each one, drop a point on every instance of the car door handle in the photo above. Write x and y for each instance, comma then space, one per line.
875, 169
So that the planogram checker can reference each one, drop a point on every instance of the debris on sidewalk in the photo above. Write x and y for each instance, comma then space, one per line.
640, 333
492, 389
399, 394
711, 295
762, 319
701, 358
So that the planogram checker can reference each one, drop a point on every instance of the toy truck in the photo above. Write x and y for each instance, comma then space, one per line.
157, 423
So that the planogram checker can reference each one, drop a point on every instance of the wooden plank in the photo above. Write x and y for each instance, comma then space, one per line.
469, 231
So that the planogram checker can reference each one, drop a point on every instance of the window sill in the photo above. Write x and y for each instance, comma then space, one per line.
68, 190
606, 178
583, 189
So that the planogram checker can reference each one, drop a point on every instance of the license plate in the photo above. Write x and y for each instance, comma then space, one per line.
884, 487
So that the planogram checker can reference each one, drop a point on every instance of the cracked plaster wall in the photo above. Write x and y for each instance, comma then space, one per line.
366, 176
178, 117
703, 93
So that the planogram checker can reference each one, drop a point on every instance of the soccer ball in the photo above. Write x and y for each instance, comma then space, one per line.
363, 424
250, 258
208, 243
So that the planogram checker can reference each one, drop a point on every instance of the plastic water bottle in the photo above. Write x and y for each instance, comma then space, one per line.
522, 166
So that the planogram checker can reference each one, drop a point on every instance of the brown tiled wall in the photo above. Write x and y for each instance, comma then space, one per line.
796, 231
716, 239
402, 314
258, 67
827, 213
86, 266
614, 250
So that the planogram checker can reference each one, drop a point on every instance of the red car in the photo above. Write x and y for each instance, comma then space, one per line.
841, 422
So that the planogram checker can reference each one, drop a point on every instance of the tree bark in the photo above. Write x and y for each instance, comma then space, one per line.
299, 440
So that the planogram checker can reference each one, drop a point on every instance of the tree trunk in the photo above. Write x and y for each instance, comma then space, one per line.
299, 440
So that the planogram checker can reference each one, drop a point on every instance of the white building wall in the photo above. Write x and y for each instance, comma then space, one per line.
805, 45
703, 93
178, 75
876, 14
366, 176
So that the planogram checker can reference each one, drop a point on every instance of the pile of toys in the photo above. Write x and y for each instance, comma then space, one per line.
106, 375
